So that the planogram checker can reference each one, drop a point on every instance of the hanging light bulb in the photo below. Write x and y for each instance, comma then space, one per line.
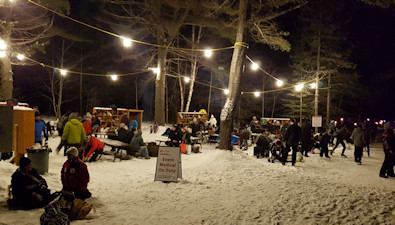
2, 54
208, 53
114, 77
155, 70
186, 79
254, 66
20, 57
279, 83
3, 45
63, 72
299, 87
126, 42
257, 94
313, 85
226, 91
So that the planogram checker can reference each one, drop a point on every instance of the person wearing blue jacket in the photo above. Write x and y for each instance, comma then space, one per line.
39, 128
133, 125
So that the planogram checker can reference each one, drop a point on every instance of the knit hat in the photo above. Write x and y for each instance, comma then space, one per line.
36, 113
24, 162
72, 151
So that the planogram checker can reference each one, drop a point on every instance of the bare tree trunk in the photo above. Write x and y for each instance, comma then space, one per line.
193, 67
60, 97
7, 82
136, 93
160, 87
317, 74
180, 83
236, 67
328, 102
209, 95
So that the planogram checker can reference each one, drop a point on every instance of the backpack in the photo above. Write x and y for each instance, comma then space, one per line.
62, 122
56, 212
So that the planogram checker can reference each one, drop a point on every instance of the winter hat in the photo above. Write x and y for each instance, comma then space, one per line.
73, 116
72, 151
36, 113
24, 162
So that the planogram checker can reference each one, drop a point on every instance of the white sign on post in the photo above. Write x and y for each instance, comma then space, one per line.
317, 121
168, 164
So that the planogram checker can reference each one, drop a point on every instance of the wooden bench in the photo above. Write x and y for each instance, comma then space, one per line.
116, 146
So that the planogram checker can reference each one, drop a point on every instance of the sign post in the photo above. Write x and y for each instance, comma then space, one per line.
317, 121
168, 164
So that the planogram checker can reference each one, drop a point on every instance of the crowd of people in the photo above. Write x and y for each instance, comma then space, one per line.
302, 139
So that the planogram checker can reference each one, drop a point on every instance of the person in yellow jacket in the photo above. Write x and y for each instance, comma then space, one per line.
73, 133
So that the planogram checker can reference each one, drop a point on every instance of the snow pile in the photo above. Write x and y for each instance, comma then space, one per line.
223, 187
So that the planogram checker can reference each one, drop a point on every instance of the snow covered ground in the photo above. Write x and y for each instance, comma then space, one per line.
223, 187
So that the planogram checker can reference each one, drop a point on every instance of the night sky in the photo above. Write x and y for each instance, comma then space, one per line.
371, 34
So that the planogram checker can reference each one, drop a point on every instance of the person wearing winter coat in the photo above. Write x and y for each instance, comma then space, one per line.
74, 133
60, 126
387, 169
124, 134
39, 128
292, 138
75, 175
324, 142
175, 136
341, 135
92, 149
262, 146
87, 125
367, 134
29, 189
307, 134
358, 137
137, 145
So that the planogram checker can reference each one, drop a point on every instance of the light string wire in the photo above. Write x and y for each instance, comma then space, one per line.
136, 41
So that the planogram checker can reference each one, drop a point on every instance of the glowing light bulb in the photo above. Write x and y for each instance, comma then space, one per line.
3, 45
279, 83
63, 72
114, 77
126, 42
208, 53
254, 66
155, 70
226, 91
186, 79
20, 56
2, 54
299, 87
313, 85
257, 94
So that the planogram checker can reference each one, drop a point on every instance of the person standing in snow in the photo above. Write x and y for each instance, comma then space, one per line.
367, 134
87, 125
75, 175
60, 126
341, 135
39, 128
74, 133
292, 138
387, 169
307, 134
358, 138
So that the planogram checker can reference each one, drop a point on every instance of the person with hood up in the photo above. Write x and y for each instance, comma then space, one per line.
74, 133
75, 175
137, 145
39, 128
358, 137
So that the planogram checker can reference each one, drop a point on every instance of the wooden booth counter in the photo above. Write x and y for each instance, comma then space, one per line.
112, 119
20, 134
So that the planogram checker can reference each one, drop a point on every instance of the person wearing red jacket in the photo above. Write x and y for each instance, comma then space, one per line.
92, 149
75, 175
87, 126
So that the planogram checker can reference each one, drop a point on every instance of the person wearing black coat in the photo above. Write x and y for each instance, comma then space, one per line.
29, 189
387, 169
307, 134
262, 146
292, 138
175, 136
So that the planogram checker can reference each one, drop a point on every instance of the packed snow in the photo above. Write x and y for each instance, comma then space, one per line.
225, 187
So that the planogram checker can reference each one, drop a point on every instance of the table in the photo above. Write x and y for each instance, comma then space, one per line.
115, 145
